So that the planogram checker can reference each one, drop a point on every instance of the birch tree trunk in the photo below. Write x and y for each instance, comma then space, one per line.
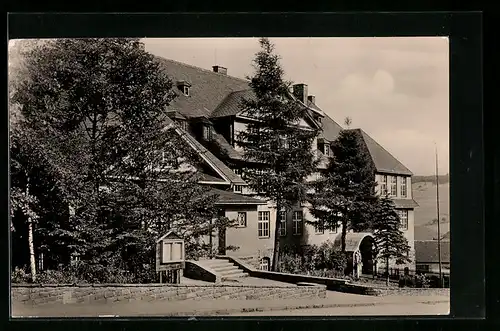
30, 236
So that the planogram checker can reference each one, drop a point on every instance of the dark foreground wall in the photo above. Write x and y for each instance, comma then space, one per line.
35, 295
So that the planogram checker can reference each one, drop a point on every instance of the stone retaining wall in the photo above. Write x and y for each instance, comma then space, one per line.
36, 295
412, 291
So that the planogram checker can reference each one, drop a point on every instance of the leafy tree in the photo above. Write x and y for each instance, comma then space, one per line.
390, 241
345, 195
279, 149
98, 106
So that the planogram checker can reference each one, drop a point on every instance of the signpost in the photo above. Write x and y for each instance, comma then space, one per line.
170, 257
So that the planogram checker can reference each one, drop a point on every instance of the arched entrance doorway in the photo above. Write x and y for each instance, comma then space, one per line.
366, 250
362, 242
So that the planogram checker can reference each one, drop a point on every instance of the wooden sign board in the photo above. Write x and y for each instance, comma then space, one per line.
170, 252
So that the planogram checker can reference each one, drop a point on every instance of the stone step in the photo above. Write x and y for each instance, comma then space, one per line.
232, 273
223, 268
214, 263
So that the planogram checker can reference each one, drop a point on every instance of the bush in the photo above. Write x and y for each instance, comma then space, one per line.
421, 281
20, 275
407, 281
322, 261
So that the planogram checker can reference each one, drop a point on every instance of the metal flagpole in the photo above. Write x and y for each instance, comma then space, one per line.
438, 221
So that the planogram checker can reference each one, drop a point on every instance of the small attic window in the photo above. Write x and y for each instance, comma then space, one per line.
184, 87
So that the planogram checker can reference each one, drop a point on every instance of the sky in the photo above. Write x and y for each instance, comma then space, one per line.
395, 89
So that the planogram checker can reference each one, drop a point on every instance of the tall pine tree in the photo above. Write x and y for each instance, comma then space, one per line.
390, 241
280, 150
345, 195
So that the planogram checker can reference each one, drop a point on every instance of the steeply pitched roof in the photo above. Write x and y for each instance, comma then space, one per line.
330, 128
230, 198
312, 105
426, 251
226, 146
231, 105
383, 160
207, 90
211, 179
217, 164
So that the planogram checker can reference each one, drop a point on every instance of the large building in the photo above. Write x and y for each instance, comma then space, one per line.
207, 111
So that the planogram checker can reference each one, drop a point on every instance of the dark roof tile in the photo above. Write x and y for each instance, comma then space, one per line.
214, 161
231, 105
330, 129
212, 179
230, 198
383, 160
207, 90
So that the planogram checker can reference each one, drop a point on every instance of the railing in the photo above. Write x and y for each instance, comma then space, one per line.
396, 274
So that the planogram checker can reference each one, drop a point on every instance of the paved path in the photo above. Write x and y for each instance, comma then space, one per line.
216, 307
380, 310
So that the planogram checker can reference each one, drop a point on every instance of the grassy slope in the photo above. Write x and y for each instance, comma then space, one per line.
425, 195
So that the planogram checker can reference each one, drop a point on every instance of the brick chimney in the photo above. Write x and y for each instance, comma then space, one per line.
300, 92
220, 70
311, 98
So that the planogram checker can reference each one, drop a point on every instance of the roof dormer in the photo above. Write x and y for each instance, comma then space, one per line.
184, 87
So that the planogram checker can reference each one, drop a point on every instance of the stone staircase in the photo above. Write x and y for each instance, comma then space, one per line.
228, 271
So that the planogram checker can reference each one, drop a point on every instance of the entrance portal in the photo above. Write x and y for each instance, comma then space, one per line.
366, 249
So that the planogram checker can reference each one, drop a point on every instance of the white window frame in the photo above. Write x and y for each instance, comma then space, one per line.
394, 185
185, 90
403, 218
238, 188
298, 223
263, 224
282, 225
326, 149
241, 218
404, 187
264, 264
207, 132
383, 185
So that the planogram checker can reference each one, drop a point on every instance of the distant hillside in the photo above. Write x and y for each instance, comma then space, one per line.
443, 179
424, 194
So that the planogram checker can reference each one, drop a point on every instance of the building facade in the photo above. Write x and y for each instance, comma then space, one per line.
207, 113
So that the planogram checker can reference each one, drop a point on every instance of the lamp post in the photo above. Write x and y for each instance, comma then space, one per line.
438, 221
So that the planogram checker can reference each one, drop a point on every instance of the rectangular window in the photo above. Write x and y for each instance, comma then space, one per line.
207, 133
282, 226
394, 186
319, 228
403, 187
297, 221
403, 218
263, 224
238, 188
327, 149
242, 219
237, 171
264, 264
383, 185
